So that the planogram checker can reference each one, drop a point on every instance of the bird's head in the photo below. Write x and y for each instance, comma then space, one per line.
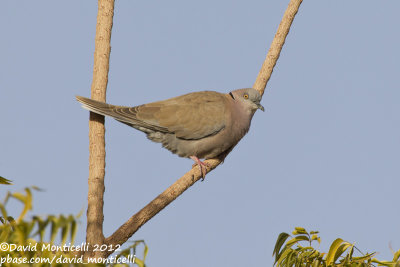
249, 97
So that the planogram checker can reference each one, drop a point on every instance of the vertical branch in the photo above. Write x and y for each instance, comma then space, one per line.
97, 153
276, 46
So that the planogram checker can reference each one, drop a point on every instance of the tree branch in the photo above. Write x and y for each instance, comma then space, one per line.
97, 153
276, 46
125, 231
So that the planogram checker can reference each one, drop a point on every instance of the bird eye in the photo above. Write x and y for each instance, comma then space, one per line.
246, 96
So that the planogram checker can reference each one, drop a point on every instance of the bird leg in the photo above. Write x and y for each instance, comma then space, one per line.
202, 166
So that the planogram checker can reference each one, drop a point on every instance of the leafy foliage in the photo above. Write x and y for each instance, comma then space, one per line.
131, 250
21, 238
298, 250
5, 181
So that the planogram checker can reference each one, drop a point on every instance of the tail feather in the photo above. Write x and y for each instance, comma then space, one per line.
122, 114
106, 109
96, 106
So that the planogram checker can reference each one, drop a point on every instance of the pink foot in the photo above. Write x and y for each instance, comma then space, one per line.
202, 166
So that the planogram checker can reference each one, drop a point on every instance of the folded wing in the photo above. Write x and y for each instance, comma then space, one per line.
191, 116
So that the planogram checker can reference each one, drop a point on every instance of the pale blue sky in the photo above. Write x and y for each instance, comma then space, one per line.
325, 155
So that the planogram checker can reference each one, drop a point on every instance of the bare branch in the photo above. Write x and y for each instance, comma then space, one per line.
97, 153
276, 46
125, 231
156, 205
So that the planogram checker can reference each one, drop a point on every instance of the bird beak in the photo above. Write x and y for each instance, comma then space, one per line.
259, 106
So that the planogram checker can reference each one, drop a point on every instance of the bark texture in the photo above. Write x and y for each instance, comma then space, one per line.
276, 46
97, 153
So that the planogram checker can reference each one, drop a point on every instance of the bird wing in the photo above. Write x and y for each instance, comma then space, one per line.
191, 116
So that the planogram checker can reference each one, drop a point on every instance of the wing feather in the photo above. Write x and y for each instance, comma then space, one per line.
191, 116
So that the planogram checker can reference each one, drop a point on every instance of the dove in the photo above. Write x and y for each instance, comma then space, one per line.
198, 125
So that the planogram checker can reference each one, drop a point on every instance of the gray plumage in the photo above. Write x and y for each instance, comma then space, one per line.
200, 125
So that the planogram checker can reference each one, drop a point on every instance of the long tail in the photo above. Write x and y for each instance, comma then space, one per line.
123, 114
98, 107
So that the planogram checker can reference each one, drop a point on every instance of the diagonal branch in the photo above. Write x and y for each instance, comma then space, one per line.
125, 231
276, 46
97, 153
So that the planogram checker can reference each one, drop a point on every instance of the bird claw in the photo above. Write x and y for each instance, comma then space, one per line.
202, 166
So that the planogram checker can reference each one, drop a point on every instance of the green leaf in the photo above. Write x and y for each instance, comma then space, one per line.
396, 256
349, 256
41, 227
26, 200
315, 263
124, 252
54, 227
297, 239
368, 256
314, 254
3, 210
5, 181
332, 251
146, 250
341, 249
19, 196
384, 263
64, 229
279, 242
314, 237
300, 231
291, 258
74, 228
34, 187
139, 262
283, 255
351, 251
